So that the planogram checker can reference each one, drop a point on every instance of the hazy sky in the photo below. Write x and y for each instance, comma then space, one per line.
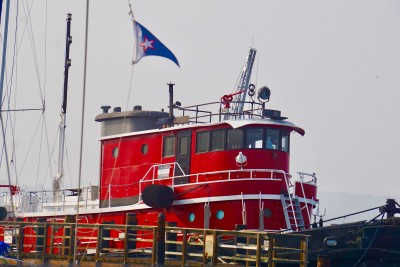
333, 68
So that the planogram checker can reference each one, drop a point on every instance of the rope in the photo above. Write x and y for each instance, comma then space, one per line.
372, 240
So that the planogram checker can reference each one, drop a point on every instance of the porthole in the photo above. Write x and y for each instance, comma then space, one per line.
145, 149
192, 217
220, 214
267, 212
115, 152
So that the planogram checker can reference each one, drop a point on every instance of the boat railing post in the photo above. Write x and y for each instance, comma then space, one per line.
197, 112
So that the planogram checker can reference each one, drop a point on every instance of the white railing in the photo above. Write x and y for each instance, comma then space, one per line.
226, 175
37, 201
312, 179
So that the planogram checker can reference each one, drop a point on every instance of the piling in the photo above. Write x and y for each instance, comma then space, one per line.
161, 240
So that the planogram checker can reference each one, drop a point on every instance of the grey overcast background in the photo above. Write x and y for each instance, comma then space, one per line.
333, 68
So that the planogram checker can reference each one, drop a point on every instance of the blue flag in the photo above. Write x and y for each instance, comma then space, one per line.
146, 44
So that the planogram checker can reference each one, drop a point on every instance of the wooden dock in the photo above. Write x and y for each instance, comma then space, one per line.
54, 243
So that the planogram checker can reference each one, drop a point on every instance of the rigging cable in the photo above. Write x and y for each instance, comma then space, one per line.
351, 214
33, 47
9, 87
82, 124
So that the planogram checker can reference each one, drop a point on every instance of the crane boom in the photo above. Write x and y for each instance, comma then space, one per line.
243, 83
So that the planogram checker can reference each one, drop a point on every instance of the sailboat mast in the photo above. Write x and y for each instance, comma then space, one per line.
3, 70
60, 173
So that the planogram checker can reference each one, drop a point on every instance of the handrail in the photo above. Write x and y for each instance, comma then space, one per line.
314, 180
252, 173
291, 204
252, 112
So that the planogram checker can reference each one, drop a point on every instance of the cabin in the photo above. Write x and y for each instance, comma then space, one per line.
138, 145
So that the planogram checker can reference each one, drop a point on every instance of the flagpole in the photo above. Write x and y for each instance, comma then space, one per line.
130, 10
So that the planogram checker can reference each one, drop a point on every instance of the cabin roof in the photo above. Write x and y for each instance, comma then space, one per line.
233, 123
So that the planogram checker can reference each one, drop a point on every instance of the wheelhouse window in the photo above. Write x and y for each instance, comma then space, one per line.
202, 142
217, 140
285, 141
183, 145
248, 138
169, 146
235, 139
254, 138
272, 139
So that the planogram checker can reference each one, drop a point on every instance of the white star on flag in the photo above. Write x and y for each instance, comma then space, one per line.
147, 44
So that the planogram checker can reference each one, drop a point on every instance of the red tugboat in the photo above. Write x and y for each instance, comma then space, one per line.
220, 165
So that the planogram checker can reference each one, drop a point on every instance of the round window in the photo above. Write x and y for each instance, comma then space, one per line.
145, 149
192, 217
115, 152
220, 214
267, 212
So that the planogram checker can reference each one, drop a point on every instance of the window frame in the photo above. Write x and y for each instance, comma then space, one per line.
224, 136
165, 138
197, 141
227, 139
245, 141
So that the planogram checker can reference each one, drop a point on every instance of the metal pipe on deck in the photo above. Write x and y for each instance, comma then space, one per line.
171, 104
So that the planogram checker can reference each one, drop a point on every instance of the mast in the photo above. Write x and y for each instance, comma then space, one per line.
60, 172
3, 70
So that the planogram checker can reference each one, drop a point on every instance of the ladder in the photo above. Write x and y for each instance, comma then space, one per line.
292, 212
